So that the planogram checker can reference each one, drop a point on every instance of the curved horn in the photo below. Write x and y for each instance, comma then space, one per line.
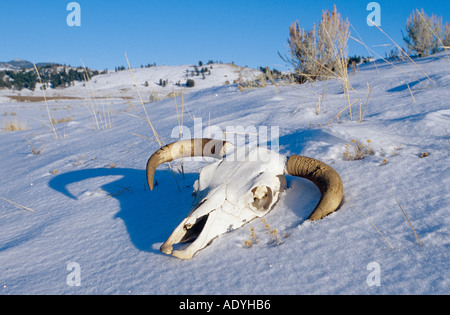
324, 176
184, 148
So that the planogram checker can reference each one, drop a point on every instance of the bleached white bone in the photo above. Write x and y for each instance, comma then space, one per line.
238, 188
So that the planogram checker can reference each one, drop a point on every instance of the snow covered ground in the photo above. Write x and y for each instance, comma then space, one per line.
94, 220
121, 84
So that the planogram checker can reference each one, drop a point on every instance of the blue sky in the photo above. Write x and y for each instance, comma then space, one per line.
172, 32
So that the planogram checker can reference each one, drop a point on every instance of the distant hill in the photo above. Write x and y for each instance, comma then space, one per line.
20, 74
18, 64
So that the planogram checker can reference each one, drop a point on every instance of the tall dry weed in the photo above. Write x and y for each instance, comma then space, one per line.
319, 53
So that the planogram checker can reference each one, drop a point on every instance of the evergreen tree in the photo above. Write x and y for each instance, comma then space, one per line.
190, 83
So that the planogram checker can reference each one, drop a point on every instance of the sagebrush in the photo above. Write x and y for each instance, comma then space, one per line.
425, 34
319, 53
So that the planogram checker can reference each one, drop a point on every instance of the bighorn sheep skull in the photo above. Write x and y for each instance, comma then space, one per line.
238, 188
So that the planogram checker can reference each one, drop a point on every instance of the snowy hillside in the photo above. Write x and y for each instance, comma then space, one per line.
90, 216
121, 84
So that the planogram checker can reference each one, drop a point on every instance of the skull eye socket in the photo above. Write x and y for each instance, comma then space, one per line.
262, 198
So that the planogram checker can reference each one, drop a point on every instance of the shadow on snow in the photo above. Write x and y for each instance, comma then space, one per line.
149, 216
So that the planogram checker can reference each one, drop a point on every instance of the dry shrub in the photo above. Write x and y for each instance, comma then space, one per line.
358, 151
61, 120
15, 125
426, 34
319, 53
446, 36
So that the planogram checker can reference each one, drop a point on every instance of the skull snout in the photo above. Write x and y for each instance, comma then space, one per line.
186, 232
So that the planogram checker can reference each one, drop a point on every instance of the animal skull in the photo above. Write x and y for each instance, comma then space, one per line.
237, 189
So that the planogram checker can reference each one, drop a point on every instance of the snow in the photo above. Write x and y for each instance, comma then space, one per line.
91, 205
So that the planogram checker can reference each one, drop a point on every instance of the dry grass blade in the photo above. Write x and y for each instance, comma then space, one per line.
180, 127
46, 103
92, 99
384, 59
361, 116
340, 112
157, 137
271, 79
407, 56
135, 134
17, 205
118, 193
320, 102
407, 219
411, 93
373, 224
